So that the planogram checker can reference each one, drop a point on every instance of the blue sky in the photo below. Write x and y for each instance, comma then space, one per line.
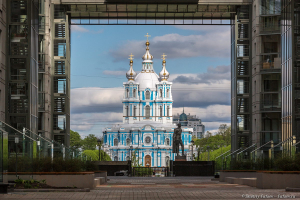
198, 59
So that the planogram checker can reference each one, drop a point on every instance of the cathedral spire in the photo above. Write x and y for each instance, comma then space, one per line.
164, 74
147, 57
131, 74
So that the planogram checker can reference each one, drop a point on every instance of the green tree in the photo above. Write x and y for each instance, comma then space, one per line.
94, 155
89, 142
75, 140
135, 159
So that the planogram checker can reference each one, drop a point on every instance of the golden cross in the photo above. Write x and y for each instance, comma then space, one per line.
131, 57
164, 56
147, 36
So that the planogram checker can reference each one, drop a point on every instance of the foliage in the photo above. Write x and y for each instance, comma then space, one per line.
135, 159
89, 142
280, 163
75, 140
214, 154
214, 142
46, 165
94, 155
143, 171
20, 183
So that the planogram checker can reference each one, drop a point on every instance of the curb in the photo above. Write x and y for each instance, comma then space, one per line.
52, 190
292, 189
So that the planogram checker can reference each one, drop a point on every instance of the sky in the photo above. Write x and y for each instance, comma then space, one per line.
198, 60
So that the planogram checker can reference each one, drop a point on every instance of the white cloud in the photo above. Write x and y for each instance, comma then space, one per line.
209, 44
77, 28
80, 28
95, 99
204, 28
114, 73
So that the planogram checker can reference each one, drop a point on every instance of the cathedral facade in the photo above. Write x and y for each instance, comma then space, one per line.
146, 134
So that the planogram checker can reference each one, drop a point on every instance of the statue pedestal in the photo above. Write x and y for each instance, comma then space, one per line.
180, 158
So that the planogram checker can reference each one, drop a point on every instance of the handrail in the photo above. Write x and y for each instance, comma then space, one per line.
47, 139
14, 130
281, 142
261, 146
296, 143
233, 152
247, 148
222, 154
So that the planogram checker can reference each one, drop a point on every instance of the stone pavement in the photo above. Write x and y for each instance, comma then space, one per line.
167, 188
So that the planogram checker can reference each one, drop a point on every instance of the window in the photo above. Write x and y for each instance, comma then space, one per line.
127, 93
147, 109
134, 111
127, 158
127, 142
147, 140
160, 111
168, 142
116, 142
134, 91
147, 94
168, 93
160, 93
127, 111
116, 158
168, 111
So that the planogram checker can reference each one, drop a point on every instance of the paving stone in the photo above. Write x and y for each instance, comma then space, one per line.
169, 188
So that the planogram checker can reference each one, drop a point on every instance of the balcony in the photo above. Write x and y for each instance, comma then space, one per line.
269, 25
270, 61
270, 105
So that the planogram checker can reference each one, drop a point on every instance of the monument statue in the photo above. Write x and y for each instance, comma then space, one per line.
177, 140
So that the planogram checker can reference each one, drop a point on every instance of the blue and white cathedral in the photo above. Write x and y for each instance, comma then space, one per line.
147, 129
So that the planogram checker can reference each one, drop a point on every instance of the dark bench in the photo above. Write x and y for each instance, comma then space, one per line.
3, 187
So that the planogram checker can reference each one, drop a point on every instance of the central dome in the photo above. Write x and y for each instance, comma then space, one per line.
147, 80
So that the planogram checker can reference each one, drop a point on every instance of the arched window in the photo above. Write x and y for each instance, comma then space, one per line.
160, 111
127, 158
167, 142
147, 94
160, 93
134, 111
147, 111
168, 111
168, 93
134, 93
116, 142
127, 111
127, 93
127, 142
116, 158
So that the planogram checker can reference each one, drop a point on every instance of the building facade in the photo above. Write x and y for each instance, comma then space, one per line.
190, 121
35, 60
147, 130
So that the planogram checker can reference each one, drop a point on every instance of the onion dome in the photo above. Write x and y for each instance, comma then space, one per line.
164, 74
183, 119
147, 57
131, 74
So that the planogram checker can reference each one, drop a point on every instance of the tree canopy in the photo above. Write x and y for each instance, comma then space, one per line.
75, 140
94, 155
213, 142
89, 142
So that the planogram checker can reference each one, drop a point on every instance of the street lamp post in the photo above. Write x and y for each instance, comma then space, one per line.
192, 142
16, 142
208, 152
99, 146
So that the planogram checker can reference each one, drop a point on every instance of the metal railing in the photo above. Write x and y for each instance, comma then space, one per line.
150, 171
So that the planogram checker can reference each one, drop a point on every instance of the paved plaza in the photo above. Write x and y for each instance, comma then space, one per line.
162, 188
